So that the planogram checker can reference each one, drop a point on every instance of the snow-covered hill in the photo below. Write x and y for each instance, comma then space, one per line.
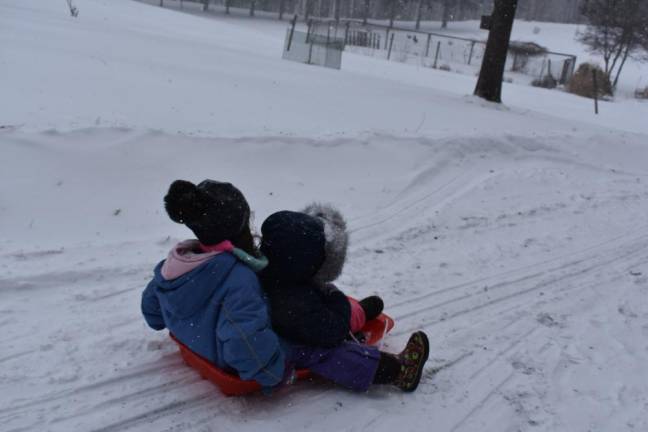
515, 236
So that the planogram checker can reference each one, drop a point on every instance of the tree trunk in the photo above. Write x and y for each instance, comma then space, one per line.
619, 52
461, 9
392, 12
282, 4
252, 7
336, 13
419, 9
618, 74
367, 8
532, 10
489, 85
446, 14
205, 5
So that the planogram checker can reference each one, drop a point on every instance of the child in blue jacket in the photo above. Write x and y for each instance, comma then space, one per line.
206, 292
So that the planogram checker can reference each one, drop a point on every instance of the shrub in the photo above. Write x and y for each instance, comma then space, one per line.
641, 94
582, 83
445, 67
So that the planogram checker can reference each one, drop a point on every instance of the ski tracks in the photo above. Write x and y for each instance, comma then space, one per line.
506, 315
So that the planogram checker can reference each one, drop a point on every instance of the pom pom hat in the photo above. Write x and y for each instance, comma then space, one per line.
214, 211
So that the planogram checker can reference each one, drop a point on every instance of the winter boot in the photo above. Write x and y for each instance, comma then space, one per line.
405, 369
412, 360
372, 307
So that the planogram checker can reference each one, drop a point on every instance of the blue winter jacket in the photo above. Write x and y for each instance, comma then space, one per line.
219, 312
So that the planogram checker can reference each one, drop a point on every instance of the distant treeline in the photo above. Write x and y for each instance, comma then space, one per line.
436, 10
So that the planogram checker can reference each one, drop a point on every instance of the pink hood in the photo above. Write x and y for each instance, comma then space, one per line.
187, 255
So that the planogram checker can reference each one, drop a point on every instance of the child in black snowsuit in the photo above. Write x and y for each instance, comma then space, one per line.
306, 252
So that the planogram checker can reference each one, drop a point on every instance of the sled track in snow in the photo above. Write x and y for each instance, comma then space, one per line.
495, 372
101, 385
596, 247
159, 413
490, 377
450, 189
550, 277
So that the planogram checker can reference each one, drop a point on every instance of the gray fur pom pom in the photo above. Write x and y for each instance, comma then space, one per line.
337, 240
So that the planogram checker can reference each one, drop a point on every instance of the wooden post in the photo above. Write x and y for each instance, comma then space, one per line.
595, 82
386, 37
308, 30
328, 36
391, 43
427, 45
436, 56
310, 51
472, 49
292, 32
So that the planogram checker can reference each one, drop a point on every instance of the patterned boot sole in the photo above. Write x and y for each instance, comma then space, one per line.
413, 359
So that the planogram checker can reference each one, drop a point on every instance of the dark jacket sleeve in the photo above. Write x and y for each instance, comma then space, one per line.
314, 318
151, 308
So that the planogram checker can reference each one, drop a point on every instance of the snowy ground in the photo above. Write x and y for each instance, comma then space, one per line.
515, 236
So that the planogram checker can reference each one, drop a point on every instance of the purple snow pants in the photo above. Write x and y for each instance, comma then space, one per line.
351, 365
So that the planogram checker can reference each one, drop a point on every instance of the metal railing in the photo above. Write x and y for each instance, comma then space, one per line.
442, 51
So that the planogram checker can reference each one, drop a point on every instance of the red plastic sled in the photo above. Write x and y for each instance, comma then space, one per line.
232, 385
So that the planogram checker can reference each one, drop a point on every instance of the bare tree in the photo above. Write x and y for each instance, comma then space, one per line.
617, 30
489, 85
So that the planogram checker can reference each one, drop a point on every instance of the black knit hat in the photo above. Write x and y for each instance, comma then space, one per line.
213, 210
